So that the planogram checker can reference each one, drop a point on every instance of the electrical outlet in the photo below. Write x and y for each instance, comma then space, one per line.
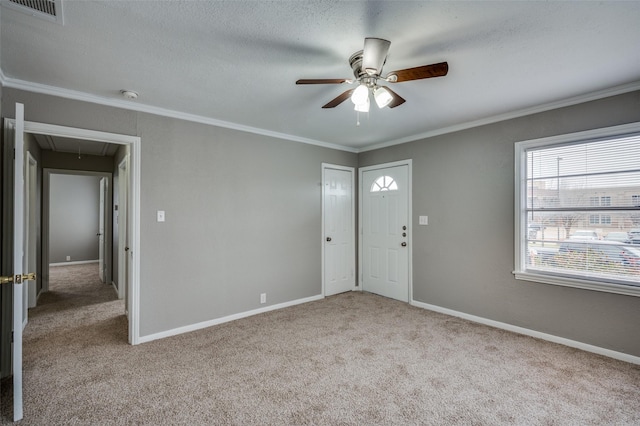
68, 258
263, 298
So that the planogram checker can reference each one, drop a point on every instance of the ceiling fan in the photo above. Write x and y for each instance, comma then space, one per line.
367, 68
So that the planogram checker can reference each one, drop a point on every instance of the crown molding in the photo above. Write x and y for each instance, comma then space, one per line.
575, 100
135, 106
129, 105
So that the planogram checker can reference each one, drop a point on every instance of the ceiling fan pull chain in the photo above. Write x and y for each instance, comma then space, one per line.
358, 118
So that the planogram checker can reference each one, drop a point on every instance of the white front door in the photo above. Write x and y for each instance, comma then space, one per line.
385, 231
339, 247
101, 239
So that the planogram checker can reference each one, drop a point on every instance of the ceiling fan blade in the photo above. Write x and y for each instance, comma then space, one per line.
323, 81
340, 99
418, 73
397, 99
374, 55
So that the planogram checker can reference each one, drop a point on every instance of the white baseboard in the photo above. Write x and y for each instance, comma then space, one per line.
75, 262
115, 287
527, 332
205, 324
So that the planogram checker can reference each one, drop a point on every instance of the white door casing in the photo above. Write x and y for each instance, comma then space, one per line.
385, 251
123, 232
101, 230
338, 229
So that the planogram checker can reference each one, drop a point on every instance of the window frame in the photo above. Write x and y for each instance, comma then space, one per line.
520, 202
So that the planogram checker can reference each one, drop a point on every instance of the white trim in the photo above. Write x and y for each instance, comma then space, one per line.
520, 270
361, 170
123, 224
550, 106
217, 321
351, 170
115, 287
163, 112
532, 333
75, 262
128, 105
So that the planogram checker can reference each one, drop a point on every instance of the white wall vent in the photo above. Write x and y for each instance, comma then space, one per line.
50, 10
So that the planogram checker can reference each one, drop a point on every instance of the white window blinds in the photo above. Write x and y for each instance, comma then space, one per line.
581, 210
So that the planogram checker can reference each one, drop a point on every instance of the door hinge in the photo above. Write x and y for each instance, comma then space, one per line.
12, 337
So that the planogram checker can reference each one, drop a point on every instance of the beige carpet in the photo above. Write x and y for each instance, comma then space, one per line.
351, 359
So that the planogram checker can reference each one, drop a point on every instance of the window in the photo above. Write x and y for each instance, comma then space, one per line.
384, 183
560, 182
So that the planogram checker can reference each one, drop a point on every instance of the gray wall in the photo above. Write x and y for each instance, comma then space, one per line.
242, 218
74, 209
463, 259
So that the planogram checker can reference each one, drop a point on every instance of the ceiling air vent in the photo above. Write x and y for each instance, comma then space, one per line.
50, 10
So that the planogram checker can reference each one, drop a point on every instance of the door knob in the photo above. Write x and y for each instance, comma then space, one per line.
18, 278
403, 244
328, 238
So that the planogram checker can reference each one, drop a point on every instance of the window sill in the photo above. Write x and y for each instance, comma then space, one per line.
626, 289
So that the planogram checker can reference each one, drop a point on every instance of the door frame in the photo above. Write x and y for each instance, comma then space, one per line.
123, 224
46, 215
134, 142
361, 191
354, 240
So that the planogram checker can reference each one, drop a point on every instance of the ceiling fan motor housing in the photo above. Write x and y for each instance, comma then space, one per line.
356, 64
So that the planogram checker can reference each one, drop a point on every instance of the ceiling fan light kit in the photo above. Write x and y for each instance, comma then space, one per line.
360, 95
367, 69
363, 106
382, 97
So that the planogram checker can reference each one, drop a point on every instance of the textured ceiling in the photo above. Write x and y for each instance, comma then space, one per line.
235, 62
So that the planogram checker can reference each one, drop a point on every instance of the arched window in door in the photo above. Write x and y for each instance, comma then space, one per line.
384, 183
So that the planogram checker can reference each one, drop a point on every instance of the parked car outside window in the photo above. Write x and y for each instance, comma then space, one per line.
602, 256
621, 237
584, 234
634, 236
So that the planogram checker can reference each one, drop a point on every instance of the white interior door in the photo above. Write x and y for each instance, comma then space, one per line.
101, 239
18, 236
339, 248
385, 231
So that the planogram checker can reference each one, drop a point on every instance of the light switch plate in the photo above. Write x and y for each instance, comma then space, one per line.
160, 215
424, 220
